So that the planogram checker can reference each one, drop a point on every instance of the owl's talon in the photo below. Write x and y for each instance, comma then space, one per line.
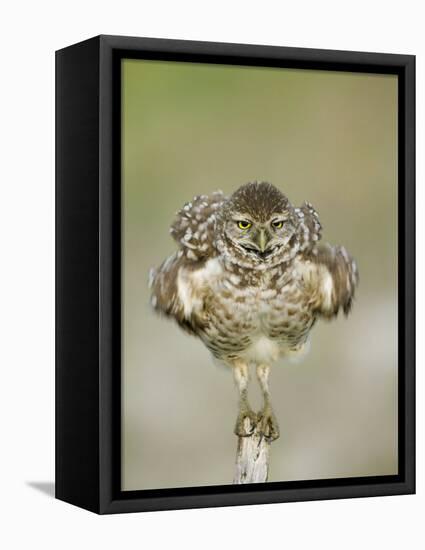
268, 425
245, 423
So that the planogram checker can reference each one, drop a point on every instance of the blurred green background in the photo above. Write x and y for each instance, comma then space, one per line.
326, 137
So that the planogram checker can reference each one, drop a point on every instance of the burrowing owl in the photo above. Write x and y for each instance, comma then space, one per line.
250, 280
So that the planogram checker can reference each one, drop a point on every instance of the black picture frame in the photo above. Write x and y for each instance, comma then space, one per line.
88, 285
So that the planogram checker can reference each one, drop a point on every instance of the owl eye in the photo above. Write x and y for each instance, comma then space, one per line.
277, 224
244, 224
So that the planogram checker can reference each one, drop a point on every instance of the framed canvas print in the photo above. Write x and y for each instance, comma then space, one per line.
235, 274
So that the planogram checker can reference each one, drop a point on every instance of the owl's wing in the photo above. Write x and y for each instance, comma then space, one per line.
310, 228
331, 276
166, 297
193, 228
175, 285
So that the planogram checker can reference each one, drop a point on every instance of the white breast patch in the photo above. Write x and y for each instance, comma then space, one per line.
265, 351
190, 283
327, 288
262, 350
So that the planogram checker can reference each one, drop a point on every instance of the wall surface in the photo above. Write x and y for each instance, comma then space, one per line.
30, 34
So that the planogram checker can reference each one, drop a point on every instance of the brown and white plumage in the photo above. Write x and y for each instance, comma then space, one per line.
193, 230
250, 279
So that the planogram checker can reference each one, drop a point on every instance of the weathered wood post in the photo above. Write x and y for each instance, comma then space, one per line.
252, 457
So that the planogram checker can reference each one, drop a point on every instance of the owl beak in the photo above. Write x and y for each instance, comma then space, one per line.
262, 240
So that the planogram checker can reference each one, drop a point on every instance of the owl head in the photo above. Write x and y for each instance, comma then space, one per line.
258, 227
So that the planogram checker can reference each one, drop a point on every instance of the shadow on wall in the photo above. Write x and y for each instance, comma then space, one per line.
46, 487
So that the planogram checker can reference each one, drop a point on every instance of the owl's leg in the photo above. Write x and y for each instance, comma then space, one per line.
267, 420
247, 418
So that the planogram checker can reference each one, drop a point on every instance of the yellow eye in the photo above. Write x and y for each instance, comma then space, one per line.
277, 224
244, 224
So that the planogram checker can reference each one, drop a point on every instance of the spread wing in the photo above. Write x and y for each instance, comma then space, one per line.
193, 228
174, 285
331, 277
310, 228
